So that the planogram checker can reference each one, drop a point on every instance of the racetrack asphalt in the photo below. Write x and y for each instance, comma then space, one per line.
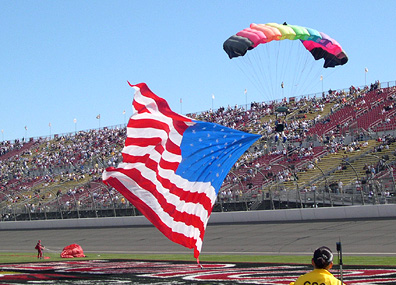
358, 237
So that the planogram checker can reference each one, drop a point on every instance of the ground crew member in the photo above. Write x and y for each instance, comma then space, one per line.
40, 249
322, 262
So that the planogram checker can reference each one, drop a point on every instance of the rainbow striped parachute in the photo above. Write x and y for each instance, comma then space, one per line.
317, 43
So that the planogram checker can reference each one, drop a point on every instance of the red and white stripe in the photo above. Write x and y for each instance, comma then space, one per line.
179, 208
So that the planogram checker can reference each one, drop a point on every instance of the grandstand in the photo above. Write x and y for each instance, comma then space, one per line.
332, 149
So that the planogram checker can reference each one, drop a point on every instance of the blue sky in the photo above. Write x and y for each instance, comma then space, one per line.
66, 60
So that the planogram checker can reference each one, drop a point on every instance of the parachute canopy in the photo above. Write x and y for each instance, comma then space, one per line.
71, 251
317, 43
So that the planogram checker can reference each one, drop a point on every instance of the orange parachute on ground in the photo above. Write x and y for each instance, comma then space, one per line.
71, 251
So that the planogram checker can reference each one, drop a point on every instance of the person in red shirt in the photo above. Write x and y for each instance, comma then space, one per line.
40, 249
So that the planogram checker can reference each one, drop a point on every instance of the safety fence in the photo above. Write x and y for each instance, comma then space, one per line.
372, 193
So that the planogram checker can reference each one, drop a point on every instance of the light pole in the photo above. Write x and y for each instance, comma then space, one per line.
49, 125
283, 86
365, 76
321, 79
212, 101
181, 106
98, 118
75, 125
246, 99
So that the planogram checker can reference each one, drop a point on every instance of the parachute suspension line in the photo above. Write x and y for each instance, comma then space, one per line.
260, 73
276, 70
329, 74
269, 76
294, 67
313, 75
248, 68
307, 70
269, 64
298, 68
304, 77
284, 65
259, 68
256, 70
289, 71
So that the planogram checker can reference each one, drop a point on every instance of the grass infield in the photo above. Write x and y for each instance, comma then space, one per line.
22, 257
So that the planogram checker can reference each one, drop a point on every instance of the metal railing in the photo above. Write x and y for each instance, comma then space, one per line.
375, 191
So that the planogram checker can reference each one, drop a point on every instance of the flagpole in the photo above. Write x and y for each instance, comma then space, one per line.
98, 117
212, 102
282, 85
2, 134
75, 125
124, 113
246, 100
181, 106
365, 76
50, 129
321, 79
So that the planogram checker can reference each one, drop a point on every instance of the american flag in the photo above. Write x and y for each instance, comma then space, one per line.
173, 167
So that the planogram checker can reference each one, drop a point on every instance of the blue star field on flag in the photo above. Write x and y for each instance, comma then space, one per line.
210, 150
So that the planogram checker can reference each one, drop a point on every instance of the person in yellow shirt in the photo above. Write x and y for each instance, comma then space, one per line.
322, 262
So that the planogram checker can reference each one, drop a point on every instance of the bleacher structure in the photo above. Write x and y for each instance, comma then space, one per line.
342, 153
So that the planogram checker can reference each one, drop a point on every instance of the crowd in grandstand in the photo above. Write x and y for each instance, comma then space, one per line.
287, 134
6, 146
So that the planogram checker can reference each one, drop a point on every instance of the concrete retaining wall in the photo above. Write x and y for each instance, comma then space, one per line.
350, 212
